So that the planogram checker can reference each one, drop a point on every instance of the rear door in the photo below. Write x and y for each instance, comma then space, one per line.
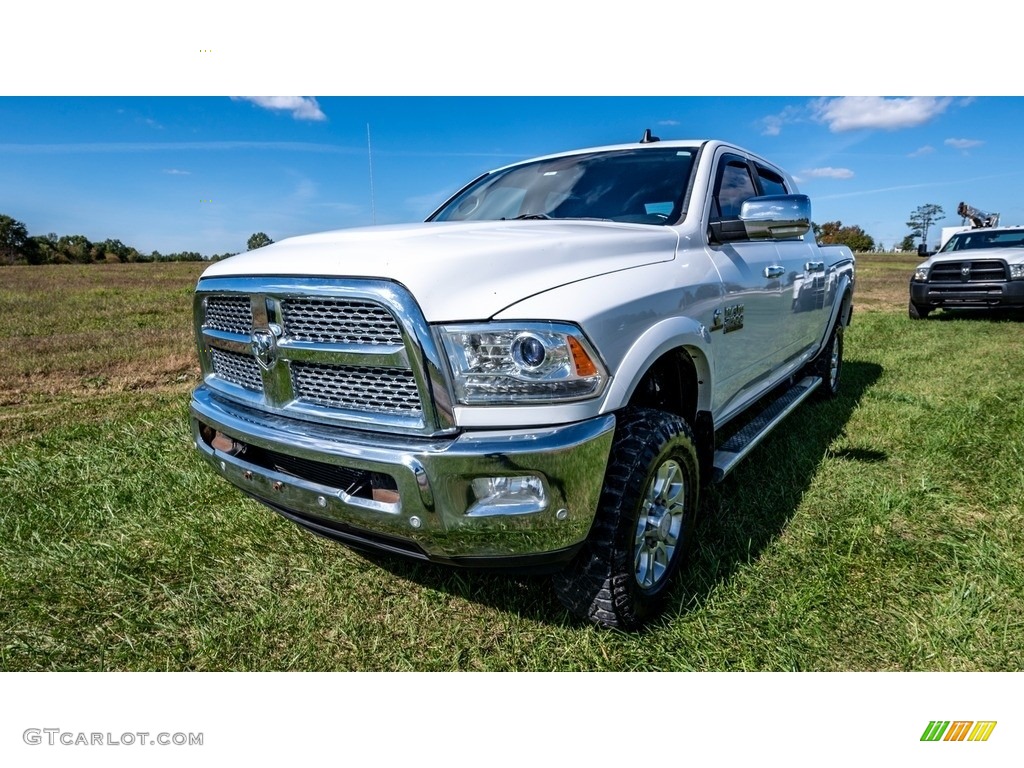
801, 311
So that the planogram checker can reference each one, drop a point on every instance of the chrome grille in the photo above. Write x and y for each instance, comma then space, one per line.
238, 369
351, 352
339, 321
982, 271
382, 390
229, 313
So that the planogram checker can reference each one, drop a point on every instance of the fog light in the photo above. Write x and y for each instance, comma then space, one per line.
507, 496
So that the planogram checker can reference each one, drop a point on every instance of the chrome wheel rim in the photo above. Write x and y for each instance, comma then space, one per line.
660, 524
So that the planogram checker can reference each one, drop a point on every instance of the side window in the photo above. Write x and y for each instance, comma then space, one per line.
771, 182
734, 185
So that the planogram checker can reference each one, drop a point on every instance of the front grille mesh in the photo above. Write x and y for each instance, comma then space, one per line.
381, 390
984, 271
238, 369
229, 313
339, 321
344, 326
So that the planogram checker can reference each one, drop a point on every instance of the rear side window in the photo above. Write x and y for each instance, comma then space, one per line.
771, 182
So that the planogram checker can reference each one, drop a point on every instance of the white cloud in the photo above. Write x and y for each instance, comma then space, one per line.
177, 172
772, 124
828, 173
920, 151
963, 143
850, 113
301, 107
305, 189
669, 122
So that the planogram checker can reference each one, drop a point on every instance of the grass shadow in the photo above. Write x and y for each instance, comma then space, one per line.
530, 595
738, 518
745, 513
978, 315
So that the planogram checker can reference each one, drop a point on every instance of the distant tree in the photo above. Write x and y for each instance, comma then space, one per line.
115, 250
75, 248
15, 244
45, 247
855, 238
258, 240
922, 218
907, 243
184, 256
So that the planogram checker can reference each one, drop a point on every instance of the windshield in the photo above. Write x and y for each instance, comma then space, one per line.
644, 186
981, 238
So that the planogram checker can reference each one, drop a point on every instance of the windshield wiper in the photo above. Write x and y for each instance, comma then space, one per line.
545, 217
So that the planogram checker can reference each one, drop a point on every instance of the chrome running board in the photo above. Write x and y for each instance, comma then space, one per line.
743, 442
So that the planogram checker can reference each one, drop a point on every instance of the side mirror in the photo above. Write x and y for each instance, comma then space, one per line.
922, 250
776, 217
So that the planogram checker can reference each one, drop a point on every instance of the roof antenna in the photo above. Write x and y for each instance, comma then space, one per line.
369, 154
648, 138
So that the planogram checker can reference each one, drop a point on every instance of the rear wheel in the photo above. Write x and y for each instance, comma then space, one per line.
643, 530
829, 364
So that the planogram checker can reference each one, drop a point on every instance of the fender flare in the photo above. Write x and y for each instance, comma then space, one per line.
844, 297
662, 337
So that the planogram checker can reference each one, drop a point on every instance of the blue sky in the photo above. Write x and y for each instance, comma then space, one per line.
178, 173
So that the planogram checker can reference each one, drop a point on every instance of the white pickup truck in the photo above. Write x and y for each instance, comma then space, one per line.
976, 268
541, 375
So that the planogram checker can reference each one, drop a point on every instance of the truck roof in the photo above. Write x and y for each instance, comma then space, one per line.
709, 143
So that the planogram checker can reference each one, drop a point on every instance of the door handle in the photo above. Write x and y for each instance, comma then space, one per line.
814, 266
773, 272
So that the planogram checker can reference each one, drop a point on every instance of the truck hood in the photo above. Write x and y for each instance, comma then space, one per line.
1011, 255
460, 271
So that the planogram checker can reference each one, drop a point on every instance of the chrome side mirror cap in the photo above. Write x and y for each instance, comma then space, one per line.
776, 217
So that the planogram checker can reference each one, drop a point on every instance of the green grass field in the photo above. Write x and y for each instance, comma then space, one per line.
879, 531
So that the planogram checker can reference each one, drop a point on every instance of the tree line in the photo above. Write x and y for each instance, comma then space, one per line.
854, 237
919, 222
18, 247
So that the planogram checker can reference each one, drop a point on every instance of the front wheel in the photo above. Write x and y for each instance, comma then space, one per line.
643, 530
917, 311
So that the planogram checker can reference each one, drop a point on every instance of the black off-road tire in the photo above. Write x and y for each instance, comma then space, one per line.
829, 365
917, 312
621, 577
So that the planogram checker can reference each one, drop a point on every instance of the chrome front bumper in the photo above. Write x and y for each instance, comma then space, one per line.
426, 506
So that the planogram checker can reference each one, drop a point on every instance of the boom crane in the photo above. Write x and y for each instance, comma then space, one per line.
977, 218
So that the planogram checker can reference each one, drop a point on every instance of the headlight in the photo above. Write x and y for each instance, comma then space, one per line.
1017, 271
522, 363
921, 274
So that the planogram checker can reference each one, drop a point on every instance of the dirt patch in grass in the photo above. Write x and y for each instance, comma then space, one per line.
883, 281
